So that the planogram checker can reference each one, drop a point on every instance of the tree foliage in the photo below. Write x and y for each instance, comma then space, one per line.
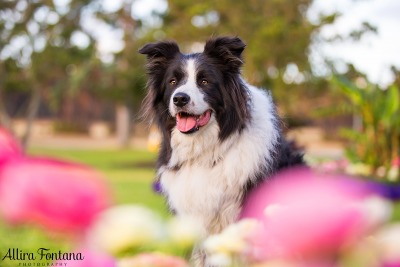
37, 39
41, 57
277, 33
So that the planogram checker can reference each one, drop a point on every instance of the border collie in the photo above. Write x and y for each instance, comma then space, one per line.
220, 135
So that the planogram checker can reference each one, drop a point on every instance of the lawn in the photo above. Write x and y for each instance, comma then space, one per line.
129, 174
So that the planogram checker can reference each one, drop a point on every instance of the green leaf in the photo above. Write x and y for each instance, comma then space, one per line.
353, 93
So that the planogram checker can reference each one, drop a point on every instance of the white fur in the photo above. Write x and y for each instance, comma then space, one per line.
197, 104
212, 171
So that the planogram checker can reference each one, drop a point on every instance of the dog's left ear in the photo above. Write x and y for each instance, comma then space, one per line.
228, 49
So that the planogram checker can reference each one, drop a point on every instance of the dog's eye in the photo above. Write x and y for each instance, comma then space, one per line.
172, 82
204, 82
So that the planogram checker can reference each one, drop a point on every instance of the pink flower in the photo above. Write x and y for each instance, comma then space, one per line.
333, 166
153, 260
306, 216
391, 264
90, 259
55, 194
396, 162
9, 148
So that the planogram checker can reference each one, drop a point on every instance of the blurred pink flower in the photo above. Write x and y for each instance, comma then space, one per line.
391, 264
396, 162
55, 194
306, 216
153, 260
9, 148
90, 259
333, 166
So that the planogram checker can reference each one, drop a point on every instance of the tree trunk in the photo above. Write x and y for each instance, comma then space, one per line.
5, 119
123, 123
32, 112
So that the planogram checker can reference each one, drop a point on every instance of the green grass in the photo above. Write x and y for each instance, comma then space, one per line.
129, 174
396, 211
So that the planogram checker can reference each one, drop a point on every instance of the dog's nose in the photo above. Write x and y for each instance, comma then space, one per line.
181, 99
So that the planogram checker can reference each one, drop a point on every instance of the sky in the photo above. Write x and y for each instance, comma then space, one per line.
375, 53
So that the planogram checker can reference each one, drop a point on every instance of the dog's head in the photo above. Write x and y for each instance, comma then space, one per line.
193, 91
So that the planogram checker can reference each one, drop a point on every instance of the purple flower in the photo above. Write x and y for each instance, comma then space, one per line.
157, 187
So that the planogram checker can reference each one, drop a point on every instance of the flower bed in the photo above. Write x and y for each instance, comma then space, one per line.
302, 218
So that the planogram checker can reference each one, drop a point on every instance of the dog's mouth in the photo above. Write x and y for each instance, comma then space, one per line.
189, 123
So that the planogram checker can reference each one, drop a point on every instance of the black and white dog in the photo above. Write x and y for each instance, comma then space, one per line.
220, 135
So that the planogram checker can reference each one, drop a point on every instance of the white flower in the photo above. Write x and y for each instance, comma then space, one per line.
233, 240
185, 231
225, 243
377, 210
219, 259
123, 227
388, 240
393, 173
359, 169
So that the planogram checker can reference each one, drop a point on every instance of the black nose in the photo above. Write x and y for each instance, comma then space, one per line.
181, 99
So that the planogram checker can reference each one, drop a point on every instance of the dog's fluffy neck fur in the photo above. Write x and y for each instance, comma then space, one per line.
207, 178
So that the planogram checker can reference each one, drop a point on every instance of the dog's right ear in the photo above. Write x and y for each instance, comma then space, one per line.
158, 56
160, 50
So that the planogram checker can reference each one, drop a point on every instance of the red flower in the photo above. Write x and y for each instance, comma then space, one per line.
90, 259
55, 194
396, 162
154, 260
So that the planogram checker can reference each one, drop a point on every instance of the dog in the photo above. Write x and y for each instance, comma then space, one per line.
221, 136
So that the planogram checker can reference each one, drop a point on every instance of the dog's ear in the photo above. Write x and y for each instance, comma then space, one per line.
160, 50
158, 56
228, 49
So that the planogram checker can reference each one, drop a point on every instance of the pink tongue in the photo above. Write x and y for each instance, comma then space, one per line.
185, 124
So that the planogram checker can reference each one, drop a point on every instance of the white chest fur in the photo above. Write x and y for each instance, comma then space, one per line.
211, 174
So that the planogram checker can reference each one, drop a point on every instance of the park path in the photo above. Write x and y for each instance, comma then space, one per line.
311, 140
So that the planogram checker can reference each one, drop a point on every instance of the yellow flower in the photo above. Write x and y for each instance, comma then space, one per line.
124, 227
359, 169
185, 231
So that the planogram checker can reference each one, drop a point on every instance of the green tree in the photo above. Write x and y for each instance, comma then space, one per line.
121, 81
37, 39
278, 37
